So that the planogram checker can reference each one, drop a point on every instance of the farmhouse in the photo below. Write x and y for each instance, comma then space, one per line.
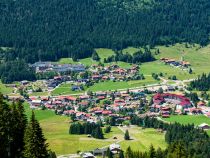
204, 126
115, 148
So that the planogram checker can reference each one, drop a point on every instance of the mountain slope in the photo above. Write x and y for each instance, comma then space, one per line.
51, 29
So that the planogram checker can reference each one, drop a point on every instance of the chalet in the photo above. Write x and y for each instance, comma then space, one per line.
24, 82
84, 97
96, 77
76, 88
105, 78
195, 111
201, 103
84, 103
87, 155
36, 102
204, 126
101, 151
106, 112
115, 148
82, 116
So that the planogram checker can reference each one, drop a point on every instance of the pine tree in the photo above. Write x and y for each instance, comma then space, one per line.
152, 153
19, 124
129, 152
95, 56
109, 154
126, 137
4, 128
121, 154
190, 71
97, 133
35, 145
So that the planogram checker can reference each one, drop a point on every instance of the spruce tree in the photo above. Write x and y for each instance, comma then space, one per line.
35, 143
129, 152
4, 128
109, 154
121, 154
152, 153
127, 136
18, 122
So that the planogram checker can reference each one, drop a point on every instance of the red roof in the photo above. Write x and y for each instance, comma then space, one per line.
159, 98
106, 112
101, 97
68, 98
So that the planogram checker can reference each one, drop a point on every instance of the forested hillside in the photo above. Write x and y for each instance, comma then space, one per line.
51, 29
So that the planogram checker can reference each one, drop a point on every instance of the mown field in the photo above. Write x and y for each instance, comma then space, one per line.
105, 86
198, 57
188, 119
4, 89
141, 139
56, 128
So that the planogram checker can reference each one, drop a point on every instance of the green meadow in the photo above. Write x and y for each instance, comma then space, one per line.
198, 57
188, 119
105, 86
4, 89
56, 129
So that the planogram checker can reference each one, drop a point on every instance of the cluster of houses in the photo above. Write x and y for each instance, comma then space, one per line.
173, 62
98, 152
59, 68
92, 107
113, 72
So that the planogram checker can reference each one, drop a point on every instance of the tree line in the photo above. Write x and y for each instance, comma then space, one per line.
63, 28
19, 137
94, 129
136, 58
16, 70
202, 83
184, 140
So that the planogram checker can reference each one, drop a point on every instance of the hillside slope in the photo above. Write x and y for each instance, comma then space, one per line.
51, 29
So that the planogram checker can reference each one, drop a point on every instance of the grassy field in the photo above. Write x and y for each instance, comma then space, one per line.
188, 119
4, 89
56, 128
143, 138
104, 53
105, 86
199, 58
66, 61
39, 94
131, 50
157, 67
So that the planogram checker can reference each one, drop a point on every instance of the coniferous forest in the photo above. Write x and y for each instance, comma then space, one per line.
19, 136
202, 83
51, 29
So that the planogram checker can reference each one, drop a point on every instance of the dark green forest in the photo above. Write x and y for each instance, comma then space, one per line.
202, 83
51, 29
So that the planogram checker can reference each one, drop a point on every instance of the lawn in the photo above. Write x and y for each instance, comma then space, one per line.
66, 61
56, 128
157, 67
105, 86
88, 61
143, 138
197, 56
4, 89
39, 94
131, 50
104, 53
188, 119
